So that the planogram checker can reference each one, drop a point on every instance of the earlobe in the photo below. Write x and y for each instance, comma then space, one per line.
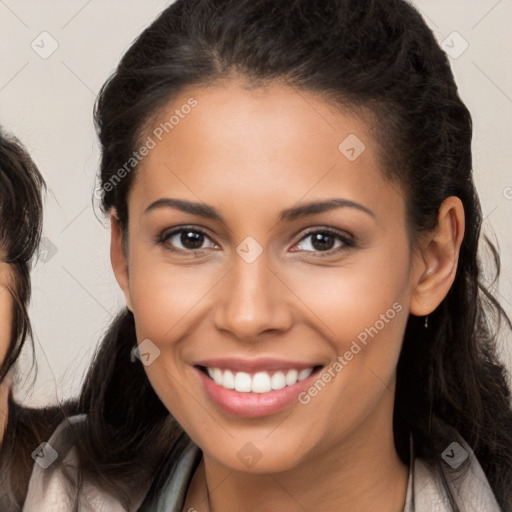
118, 257
438, 261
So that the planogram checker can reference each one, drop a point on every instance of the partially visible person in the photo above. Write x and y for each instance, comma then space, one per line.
22, 429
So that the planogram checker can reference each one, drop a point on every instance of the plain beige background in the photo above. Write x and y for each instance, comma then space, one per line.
54, 57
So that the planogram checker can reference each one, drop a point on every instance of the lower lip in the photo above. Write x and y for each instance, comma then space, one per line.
253, 405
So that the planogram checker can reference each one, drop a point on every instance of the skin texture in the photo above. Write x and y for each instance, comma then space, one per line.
251, 154
5, 337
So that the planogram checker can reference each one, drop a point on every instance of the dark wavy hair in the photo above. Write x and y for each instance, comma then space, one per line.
21, 209
21, 213
21, 206
374, 56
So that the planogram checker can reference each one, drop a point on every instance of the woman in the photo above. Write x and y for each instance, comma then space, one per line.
21, 429
295, 230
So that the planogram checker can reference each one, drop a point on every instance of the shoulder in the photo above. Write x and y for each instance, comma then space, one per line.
26, 428
52, 486
462, 474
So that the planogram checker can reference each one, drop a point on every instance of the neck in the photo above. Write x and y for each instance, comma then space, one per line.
361, 472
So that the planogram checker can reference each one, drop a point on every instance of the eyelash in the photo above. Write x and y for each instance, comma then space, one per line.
348, 242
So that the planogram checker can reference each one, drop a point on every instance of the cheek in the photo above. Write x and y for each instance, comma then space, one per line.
371, 288
163, 295
362, 310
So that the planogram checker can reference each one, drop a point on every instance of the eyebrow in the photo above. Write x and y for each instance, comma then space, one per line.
209, 212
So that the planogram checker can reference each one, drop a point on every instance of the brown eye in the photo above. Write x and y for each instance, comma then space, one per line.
324, 241
191, 239
186, 239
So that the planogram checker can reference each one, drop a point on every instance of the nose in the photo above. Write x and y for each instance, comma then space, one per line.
253, 300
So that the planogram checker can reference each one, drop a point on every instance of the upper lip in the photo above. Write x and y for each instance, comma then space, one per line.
255, 365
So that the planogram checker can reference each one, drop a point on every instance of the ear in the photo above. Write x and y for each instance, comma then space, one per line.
438, 258
118, 257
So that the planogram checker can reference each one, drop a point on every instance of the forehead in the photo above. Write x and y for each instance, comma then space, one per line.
275, 144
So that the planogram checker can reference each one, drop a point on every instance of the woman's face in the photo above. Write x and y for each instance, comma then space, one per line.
265, 290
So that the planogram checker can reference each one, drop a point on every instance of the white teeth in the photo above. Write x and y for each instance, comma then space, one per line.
242, 382
228, 380
291, 377
260, 382
304, 374
278, 380
217, 376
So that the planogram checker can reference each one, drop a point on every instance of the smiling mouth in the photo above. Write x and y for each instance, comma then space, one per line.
257, 382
